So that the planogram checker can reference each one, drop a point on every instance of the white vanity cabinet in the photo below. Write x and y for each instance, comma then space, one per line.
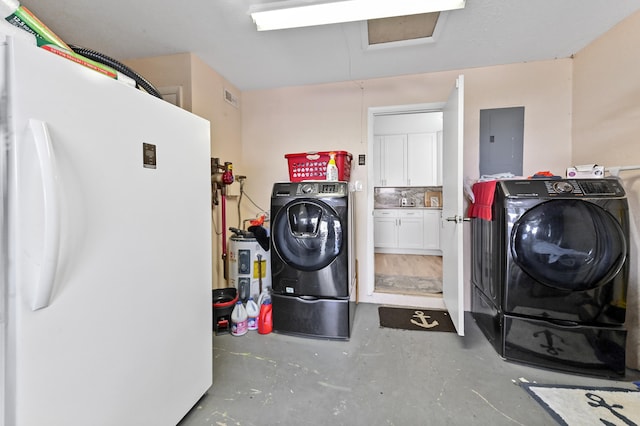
385, 224
431, 240
399, 228
409, 230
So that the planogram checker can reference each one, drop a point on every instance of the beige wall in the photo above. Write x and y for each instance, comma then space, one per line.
164, 71
333, 117
203, 94
606, 131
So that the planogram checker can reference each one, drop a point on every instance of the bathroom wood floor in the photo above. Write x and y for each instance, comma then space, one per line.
402, 270
409, 264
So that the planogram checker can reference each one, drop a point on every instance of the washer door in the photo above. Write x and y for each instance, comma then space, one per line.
307, 234
569, 245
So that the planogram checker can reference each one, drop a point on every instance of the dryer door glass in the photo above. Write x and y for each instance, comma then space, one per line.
307, 234
569, 244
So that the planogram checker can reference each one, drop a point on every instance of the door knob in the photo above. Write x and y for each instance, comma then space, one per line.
458, 219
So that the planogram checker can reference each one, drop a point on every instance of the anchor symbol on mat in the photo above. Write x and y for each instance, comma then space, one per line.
600, 402
424, 320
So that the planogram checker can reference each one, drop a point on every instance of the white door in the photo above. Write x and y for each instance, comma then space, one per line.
452, 206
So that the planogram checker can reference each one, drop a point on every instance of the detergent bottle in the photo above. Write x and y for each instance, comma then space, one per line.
332, 168
239, 320
265, 319
252, 314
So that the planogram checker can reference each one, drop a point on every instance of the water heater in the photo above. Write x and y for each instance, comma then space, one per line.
249, 266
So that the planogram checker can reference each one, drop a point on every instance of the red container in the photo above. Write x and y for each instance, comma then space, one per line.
265, 318
313, 165
223, 302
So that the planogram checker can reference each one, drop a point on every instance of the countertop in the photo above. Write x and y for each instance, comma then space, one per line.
406, 208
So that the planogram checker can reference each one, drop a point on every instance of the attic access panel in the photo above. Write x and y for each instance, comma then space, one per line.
401, 28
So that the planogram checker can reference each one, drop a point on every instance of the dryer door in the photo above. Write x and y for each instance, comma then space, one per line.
569, 245
307, 234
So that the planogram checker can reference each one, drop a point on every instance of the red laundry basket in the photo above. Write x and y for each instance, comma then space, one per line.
313, 165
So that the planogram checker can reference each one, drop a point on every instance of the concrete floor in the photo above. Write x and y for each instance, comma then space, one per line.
380, 377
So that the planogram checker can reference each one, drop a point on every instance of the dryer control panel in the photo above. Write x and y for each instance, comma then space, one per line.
536, 188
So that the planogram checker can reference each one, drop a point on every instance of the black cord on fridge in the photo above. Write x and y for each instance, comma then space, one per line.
141, 82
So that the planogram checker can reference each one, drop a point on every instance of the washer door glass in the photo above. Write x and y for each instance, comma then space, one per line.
307, 234
569, 244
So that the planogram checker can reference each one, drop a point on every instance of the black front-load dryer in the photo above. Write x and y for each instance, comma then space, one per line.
558, 295
311, 258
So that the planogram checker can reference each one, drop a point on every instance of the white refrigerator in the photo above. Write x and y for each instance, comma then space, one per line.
105, 255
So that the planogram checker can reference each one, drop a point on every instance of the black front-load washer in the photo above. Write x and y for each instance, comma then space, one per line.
312, 266
557, 253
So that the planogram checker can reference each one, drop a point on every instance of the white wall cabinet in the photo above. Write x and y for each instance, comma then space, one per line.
407, 160
391, 160
422, 159
411, 231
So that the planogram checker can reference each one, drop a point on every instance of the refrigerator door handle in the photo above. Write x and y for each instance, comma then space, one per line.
51, 237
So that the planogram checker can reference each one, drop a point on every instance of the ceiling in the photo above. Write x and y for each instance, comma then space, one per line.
222, 34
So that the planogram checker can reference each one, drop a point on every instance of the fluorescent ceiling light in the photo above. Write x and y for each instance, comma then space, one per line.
297, 15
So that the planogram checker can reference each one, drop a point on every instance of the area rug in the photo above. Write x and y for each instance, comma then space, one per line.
583, 406
415, 319
407, 284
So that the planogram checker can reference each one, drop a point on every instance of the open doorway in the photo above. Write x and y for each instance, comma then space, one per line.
450, 218
406, 199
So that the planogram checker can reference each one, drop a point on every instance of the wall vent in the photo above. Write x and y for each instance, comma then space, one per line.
231, 98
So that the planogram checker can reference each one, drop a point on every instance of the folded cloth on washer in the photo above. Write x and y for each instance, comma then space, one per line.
483, 195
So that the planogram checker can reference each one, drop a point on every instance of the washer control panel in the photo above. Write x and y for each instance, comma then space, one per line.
532, 188
311, 189
321, 188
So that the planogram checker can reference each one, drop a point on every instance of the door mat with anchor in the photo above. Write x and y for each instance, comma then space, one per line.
573, 405
415, 319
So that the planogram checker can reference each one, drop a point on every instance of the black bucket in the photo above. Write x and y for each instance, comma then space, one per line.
223, 301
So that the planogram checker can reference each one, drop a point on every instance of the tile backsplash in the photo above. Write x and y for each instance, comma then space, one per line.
416, 195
